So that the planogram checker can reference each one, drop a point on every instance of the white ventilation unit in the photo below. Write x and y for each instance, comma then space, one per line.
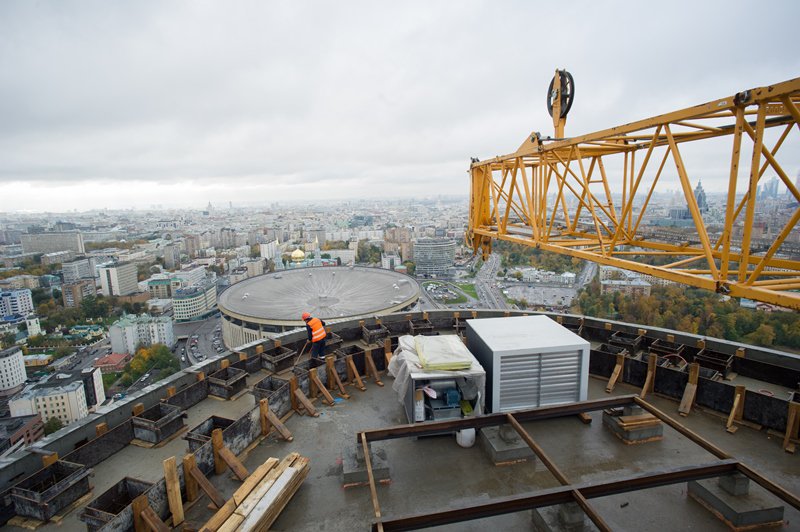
530, 361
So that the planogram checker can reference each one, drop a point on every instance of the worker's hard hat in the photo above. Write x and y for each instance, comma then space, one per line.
306, 315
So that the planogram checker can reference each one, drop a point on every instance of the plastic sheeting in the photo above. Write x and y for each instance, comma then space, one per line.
443, 352
405, 365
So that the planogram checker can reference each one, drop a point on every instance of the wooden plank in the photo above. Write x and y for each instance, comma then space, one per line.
372, 490
585, 418
231, 524
207, 487
100, 429
612, 381
153, 521
314, 378
352, 369
252, 481
304, 401
173, 490
189, 462
216, 445
236, 466
370, 363
690, 391
138, 408
219, 518
269, 479
270, 506
280, 427
387, 345
139, 504
330, 370
736, 410
637, 418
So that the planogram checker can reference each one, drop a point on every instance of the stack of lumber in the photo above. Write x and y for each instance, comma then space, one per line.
639, 421
260, 499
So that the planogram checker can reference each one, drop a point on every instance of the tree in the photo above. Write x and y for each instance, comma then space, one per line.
52, 425
411, 267
8, 339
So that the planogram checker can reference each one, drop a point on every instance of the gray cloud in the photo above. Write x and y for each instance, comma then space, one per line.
347, 94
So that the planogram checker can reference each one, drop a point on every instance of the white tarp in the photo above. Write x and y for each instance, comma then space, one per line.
405, 362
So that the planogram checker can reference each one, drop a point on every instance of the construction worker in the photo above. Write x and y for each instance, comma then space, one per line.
315, 328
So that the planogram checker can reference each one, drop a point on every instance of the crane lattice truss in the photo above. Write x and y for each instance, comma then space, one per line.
588, 196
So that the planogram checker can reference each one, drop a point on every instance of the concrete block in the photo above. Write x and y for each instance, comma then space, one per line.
499, 450
563, 517
632, 436
354, 467
756, 508
736, 484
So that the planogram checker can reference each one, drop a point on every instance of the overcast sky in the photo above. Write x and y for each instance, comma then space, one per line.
131, 104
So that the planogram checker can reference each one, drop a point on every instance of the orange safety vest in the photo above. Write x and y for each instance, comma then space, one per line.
317, 330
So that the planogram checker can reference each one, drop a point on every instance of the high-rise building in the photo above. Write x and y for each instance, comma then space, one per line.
18, 302
132, 331
12, 371
52, 242
58, 257
76, 270
700, 196
195, 301
434, 256
191, 244
73, 293
119, 280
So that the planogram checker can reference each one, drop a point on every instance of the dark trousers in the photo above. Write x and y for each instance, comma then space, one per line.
318, 349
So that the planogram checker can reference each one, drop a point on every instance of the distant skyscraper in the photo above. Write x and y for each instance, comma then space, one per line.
700, 196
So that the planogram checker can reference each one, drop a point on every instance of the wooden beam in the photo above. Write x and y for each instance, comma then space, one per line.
49, 459
207, 487
189, 462
650, 380
330, 371
736, 410
263, 409
293, 388
792, 427
138, 408
334, 377
690, 391
201, 376
170, 391
216, 445
373, 370
173, 490
317, 385
352, 373
304, 401
153, 521
138, 505
100, 429
280, 427
387, 344
225, 364
236, 466
612, 381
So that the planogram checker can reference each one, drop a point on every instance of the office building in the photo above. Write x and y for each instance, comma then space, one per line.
19, 302
12, 371
58, 257
195, 301
132, 331
52, 242
119, 280
78, 269
434, 256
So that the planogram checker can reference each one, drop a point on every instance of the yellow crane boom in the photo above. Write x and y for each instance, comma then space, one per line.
587, 196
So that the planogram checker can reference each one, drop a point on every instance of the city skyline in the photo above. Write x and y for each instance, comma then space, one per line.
133, 105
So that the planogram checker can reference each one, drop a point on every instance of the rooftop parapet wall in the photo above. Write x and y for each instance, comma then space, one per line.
158, 423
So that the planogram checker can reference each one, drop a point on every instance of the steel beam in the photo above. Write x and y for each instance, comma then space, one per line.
560, 495
431, 428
